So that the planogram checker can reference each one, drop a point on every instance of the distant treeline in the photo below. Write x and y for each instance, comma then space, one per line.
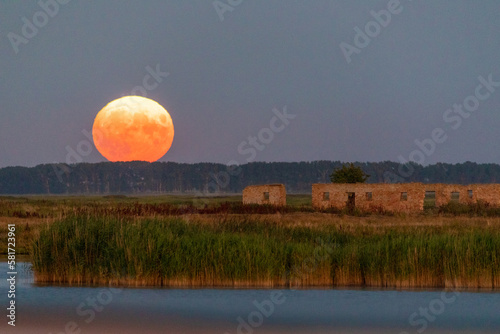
204, 178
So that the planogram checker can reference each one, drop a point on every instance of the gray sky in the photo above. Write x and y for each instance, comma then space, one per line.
226, 76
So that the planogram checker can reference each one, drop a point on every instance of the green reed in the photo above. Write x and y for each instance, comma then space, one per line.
242, 251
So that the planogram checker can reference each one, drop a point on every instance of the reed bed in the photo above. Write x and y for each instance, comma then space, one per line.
245, 251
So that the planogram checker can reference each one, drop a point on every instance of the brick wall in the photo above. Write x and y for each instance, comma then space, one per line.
407, 197
471, 193
402, 197
256, 194
444, 193
489, 193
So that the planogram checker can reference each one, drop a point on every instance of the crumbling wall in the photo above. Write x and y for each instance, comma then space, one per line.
401, 197
444, 193
274, 194
489, 193
405, 197
472, 193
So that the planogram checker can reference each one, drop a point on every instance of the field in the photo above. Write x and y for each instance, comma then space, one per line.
183, 241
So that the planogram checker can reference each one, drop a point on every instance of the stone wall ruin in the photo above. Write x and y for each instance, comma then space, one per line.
401, 197
273, 194
377, 197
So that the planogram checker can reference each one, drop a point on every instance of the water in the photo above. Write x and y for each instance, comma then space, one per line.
50, 309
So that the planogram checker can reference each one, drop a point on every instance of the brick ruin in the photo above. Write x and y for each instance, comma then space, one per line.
401, 197
390, 197
274, 194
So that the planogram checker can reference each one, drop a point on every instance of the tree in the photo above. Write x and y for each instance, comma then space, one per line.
349, 174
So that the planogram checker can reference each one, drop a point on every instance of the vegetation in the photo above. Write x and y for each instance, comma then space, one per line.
30, 213
349, 174
199, 179
217, 241
479, 209
245, 251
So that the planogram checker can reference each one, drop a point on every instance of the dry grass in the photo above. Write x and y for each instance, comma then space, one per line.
259, 247
350, 223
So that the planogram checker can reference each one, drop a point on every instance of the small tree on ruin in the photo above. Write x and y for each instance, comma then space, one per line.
349, 174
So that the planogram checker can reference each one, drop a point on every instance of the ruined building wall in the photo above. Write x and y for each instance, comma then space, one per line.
489, 193
444, 193
408, 197
401, 197
257, 194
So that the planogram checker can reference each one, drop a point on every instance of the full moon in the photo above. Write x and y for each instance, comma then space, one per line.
133, 128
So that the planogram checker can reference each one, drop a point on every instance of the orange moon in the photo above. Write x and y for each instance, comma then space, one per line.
133, 128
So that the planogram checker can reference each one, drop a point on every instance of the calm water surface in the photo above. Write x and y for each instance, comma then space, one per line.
49, 309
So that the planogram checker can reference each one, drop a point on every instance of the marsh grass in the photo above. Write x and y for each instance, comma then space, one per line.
173, 241
61, 206
247, 251
24, 235
478, 209
56, 207
169, 251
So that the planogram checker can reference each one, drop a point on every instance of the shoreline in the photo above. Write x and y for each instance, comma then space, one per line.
244, 286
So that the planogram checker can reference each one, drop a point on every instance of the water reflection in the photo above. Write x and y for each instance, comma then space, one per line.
59, 309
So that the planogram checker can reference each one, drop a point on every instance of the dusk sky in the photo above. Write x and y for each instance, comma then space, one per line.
363, 86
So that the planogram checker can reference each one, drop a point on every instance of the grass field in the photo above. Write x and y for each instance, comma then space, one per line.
29, 213
181, 241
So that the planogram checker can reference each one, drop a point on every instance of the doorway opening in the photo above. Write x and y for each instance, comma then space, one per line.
351, 201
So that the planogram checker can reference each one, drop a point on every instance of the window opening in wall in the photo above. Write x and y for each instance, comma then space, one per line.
404, 196
429, 199
326, 196
369, 196
266, 196
455, 196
